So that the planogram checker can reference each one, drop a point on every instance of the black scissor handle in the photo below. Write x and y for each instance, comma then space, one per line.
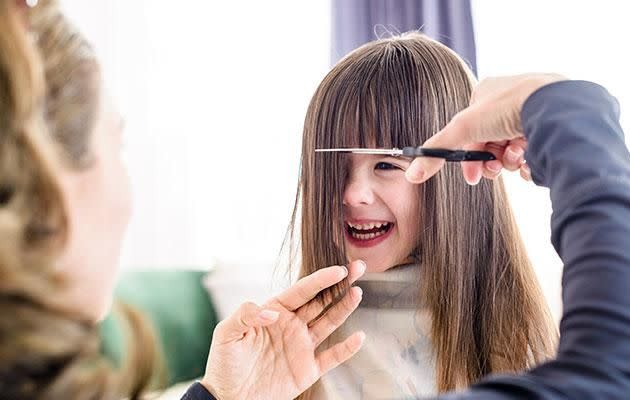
448, 155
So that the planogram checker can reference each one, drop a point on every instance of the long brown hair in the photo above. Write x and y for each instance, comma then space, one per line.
49, 100
488, 311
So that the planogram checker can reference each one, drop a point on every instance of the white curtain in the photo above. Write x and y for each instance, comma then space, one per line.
214, 94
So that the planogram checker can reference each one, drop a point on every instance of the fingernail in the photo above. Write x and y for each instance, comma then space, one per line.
345, 270
513, 156
414, 176
359, 290
269, 315
526, 172
493, 166
476, 179
362, 266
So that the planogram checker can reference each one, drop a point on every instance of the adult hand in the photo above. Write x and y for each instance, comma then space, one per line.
492, 123
268, 352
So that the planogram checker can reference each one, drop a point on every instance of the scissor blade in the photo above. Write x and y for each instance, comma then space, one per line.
390, 152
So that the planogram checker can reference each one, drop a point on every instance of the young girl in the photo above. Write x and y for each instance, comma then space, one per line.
450, 295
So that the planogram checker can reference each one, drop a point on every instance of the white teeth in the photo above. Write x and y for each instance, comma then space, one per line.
366, 236
371, 225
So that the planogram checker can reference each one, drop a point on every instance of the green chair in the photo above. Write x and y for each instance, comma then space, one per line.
179, 309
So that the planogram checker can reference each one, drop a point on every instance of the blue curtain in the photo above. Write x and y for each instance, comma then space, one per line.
355, 22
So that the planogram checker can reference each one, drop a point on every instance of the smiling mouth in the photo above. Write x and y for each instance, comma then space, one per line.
368, 231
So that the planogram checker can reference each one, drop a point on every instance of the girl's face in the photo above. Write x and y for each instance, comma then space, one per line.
381, 212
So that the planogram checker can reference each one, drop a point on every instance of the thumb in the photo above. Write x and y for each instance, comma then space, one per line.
246, 317
453, 136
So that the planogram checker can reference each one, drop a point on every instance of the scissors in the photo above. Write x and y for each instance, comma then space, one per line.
413, 152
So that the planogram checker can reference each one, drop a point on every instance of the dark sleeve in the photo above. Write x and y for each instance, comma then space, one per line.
198, 392
577, 150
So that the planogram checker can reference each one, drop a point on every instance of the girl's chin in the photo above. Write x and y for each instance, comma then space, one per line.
375, 265
378, 268
380, 265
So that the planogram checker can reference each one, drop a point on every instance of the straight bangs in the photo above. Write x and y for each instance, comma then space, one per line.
377, 99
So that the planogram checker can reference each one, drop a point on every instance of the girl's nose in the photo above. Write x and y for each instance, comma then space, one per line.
358, 192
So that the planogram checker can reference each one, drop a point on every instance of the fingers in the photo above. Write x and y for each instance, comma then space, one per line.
473, 171
307, 288
526, 173
356, 269
491, 170
423, 168
248, 316
340, 352
336, 316
492, 120
493, 115
312, 309
513, 157
453, 136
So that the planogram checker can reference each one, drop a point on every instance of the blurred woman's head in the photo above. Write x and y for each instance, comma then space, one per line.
87, 131
64, 205
75, 127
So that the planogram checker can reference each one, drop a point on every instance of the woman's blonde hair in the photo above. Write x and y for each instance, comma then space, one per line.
49, 100
488, 312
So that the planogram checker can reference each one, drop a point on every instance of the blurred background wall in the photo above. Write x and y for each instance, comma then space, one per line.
215, 92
